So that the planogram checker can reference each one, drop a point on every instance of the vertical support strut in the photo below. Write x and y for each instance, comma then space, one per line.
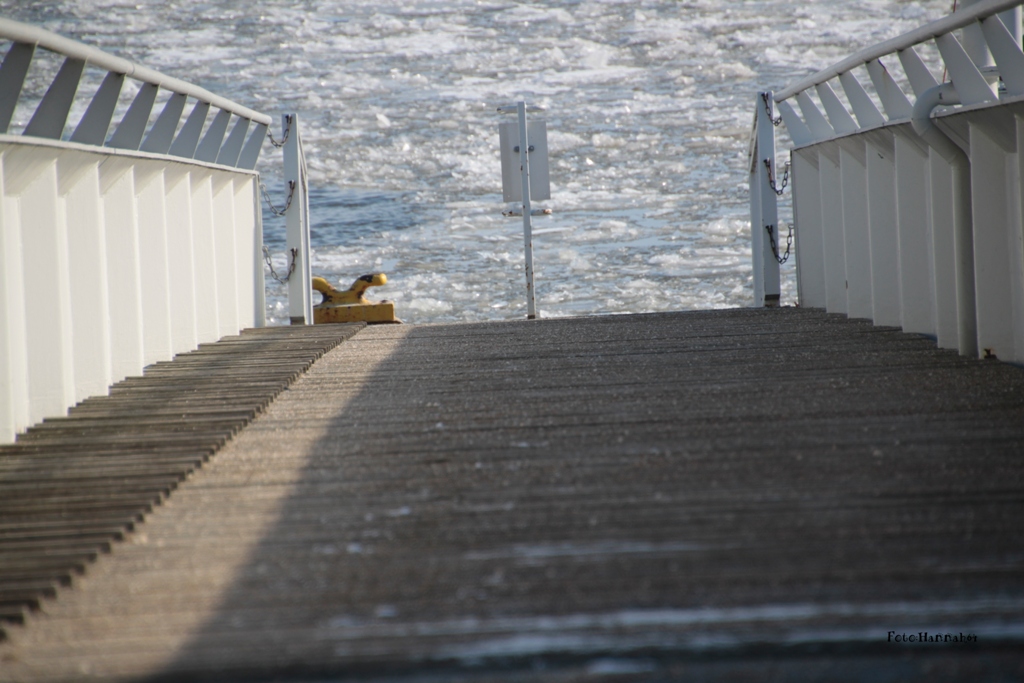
300, 298
524, 160
764, 210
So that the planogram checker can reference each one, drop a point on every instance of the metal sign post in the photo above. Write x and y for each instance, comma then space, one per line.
529, 140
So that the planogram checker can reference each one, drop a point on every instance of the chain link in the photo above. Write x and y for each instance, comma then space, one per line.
777, 189
280, 212
291, 265
270, 204
775, 121
287, 132
775, 247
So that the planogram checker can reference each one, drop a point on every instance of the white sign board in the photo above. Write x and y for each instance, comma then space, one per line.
511, 171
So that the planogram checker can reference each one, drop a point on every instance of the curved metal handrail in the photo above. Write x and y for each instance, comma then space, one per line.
238, 148
939, 27
26, 33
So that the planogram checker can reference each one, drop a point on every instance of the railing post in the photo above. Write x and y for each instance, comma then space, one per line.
300, 300
764, 206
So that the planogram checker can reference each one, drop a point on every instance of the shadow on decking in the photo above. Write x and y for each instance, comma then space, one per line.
731, 495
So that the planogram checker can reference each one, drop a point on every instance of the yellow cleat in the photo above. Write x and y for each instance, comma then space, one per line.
350, 306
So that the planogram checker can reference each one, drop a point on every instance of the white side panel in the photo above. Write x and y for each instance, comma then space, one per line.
882, 224
990, 207
156, 299
944, 264
181, 253
79, 177
245, 248
808, 229
117, 185
1016, 242
226, 269
47, 288
13, 350
915, 238
832, 228
204, 258
111, 261
853, 173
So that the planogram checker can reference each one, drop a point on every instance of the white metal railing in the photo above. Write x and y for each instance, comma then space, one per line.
122, 242
906, 212
51, 115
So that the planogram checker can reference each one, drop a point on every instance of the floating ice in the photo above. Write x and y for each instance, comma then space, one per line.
648, 108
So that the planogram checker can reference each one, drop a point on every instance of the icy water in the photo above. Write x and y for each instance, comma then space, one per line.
648, 104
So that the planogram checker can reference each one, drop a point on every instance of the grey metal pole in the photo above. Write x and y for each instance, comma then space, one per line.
767, 285
524, 160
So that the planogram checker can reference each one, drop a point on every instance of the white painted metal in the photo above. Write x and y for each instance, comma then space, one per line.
92, 129
1016, 242
864, 109
968, 81
52, 112
838, 116
894, 101
819, 126
228, 155
249, 252
12, 79
187, 142
124, 276
300, 298
916, 249
884, 258
923, 221
856, 238
810, 265
128, 134
524, 161
799, 133
921, 79
251, 151
34, 36
162, 134
226, 251
764, 207
992, 166
45, 285
942, 26
209, 146
112, 258
181, 255
1007, 53
832, 227
511, 164
204, 257
941, 191
154, 264
78, 176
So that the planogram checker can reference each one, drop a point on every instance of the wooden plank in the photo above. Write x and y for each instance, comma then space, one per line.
533, 500
67, 481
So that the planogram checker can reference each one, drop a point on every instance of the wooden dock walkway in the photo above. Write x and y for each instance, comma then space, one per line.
725, 496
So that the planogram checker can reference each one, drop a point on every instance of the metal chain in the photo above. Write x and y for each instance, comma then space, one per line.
778, 189
775, 121
287, 132
291, 265
775, 247
270, 204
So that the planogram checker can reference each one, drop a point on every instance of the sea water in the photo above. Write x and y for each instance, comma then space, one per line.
648, 104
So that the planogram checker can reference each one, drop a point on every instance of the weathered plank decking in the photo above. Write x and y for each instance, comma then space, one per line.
730, 495
70, 487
